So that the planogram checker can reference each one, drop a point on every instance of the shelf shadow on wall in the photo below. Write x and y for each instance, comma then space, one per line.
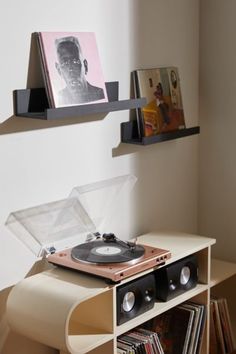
16, 124
126, 149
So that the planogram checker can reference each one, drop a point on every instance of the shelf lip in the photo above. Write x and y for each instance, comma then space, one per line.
85, 110
88, 109
221, 270
175, 134
33, 103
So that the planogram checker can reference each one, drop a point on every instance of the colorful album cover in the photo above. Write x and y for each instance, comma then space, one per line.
164, 110
172, 335
72, 69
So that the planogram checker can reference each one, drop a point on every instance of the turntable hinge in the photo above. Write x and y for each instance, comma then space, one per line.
92, 236
50, 250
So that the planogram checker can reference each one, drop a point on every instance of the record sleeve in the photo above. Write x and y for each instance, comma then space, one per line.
173, 337
218, 327
193, 337
71, 68
164, 109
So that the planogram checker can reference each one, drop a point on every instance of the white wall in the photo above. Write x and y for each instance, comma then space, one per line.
217, 201
43, 165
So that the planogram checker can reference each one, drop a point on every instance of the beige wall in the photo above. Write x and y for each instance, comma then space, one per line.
43, 165
217, 203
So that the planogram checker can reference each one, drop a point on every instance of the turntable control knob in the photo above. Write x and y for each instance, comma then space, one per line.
128, 301
172, 286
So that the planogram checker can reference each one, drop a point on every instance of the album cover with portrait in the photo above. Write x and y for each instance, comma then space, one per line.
71, 68
164, 109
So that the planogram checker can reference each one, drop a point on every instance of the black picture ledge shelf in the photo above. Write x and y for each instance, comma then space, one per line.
33, 103
129, 134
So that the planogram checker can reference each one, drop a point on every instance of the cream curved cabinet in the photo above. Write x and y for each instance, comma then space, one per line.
76, 313
63, 309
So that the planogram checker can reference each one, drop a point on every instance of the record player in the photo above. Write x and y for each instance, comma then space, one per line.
75, 232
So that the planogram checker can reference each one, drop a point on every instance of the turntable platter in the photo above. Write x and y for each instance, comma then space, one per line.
102, 253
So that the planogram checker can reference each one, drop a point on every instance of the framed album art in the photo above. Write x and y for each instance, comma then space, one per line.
71, 68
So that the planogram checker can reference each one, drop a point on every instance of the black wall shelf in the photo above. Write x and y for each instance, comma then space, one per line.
129, 134
33, 103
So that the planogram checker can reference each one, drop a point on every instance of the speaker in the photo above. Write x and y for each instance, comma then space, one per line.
176, 278
135, 297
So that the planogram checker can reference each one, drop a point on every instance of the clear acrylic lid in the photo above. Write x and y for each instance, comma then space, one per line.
71, 221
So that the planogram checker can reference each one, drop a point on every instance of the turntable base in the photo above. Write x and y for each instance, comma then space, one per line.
113, 271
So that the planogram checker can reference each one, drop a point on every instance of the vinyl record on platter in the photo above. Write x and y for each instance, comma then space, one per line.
103, 252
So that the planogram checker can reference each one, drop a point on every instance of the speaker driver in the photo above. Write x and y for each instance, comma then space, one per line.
185, 275
128, 301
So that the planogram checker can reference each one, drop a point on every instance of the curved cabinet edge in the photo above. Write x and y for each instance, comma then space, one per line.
39, 307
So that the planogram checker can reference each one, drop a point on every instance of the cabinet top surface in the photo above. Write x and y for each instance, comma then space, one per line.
178, 243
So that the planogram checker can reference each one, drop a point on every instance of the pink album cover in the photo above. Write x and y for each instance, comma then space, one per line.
72, 69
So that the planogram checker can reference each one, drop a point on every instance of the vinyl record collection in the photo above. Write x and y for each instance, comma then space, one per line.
139, 340
177, 331
221, 334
